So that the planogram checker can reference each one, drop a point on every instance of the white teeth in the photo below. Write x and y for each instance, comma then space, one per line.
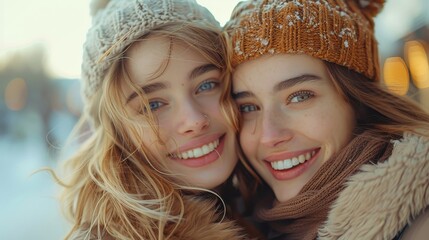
190, 154
295, 161
307, 156
206, 149
197, 152
289, 163
302, 158
280, 164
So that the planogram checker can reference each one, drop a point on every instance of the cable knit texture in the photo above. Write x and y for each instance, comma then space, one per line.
338, 31
117, 23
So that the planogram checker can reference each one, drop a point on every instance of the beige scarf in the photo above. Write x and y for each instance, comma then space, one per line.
301, 216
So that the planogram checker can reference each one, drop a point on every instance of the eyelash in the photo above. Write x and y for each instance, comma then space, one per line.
213, 84
144, 110
304, 93
247, 105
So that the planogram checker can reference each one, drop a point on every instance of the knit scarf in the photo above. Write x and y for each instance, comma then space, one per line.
301, 216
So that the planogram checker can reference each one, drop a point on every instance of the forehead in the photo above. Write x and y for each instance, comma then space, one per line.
275, 68
158, 55
148, 54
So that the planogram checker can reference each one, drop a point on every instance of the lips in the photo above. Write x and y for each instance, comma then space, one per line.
291, 165
197, 152
200, 156
292, 162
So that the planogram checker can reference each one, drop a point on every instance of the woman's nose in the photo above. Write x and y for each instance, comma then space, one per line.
193, 120
274, 130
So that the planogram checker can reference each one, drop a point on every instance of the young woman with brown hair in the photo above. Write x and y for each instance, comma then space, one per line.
339, 155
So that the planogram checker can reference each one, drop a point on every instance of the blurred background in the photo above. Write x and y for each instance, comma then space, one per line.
40, 55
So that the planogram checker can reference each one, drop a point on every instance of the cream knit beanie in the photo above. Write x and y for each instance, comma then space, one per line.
118, 23
338, 31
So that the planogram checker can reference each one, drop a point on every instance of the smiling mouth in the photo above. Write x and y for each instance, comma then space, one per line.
292, 162
197, 152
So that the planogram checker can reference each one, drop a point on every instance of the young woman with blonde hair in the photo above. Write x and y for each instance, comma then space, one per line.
340, 156
160, 148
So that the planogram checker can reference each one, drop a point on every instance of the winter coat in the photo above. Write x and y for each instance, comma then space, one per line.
386, 199
200, 222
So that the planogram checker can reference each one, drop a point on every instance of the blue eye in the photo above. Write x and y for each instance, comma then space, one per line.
207, 86
300, 96
153, 105
245, 108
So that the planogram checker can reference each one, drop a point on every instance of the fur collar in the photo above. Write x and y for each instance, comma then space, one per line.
382, 198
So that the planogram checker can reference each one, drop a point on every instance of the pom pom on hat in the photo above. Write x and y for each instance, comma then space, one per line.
242, 7
369, 7
97, 5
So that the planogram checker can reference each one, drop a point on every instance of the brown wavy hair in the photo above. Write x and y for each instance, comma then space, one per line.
380, 113
376, 108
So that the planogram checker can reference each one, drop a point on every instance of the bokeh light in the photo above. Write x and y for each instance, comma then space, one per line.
396, 76
418, 63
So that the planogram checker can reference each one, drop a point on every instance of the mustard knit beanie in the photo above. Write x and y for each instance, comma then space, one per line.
118, 23
338, 31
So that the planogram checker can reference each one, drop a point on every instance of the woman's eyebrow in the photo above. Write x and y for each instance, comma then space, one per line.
244, 94
279, 86
149, 88
290, 82
201, 70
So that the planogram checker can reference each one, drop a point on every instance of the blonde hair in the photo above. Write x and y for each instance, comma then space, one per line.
114, 185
